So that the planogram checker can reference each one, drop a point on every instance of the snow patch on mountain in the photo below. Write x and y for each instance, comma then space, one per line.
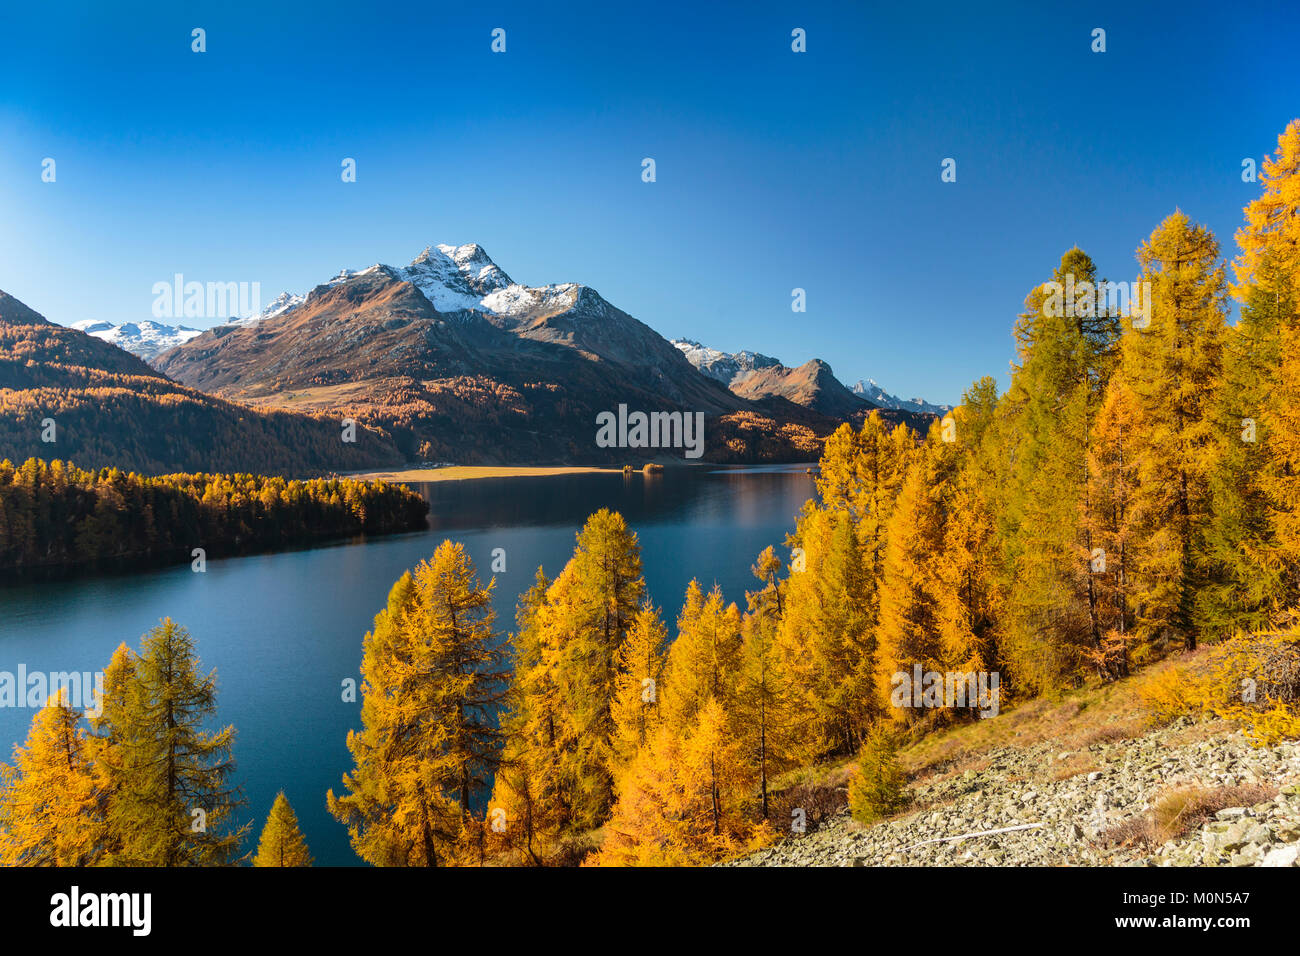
146, 339
455, 279
726, 367
516, 299
282, 303
732, 368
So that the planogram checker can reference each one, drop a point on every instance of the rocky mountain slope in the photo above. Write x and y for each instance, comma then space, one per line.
812, 385
729, 368
1079, 806
109, 409
459, 362
756, 376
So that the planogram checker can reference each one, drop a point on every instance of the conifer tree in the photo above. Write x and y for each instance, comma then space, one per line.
1066, 350
644, 827
770, 714
1171, 367
862, 473
1244, 580
704, 662
686, 799
640, 671
877, 788
1269, 266
716, 780
108, 733
429, 741
529, 805
968, 597
909, 631
282, 843
1249, 577
51, 806
586, 620
1114, 465
170, 797
826, 639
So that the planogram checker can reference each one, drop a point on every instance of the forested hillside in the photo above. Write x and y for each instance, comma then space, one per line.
69, 395
58, 515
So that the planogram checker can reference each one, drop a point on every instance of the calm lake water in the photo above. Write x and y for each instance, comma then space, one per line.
284, 630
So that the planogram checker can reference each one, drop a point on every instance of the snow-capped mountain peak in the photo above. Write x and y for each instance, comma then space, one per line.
282, 303
455, 277
146, 339
91, 326
726, 367
873, 393
475, 264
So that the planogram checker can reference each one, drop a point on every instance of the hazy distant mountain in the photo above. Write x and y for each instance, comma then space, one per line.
149, 339
874, 393
146, 339
754, 375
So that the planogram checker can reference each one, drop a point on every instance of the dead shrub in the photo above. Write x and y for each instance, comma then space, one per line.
819, 801
1180, 810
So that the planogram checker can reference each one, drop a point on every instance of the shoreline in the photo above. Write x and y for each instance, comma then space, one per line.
471, 472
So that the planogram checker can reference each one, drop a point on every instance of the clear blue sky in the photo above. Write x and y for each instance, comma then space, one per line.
775, 170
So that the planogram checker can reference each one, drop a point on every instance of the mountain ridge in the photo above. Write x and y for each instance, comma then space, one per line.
147, 338
461, 363
72, 396
501, 373
770, 376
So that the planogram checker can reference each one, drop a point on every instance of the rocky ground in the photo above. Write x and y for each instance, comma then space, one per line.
1076, 808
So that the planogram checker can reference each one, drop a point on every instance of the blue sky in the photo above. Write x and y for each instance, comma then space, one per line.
775, 170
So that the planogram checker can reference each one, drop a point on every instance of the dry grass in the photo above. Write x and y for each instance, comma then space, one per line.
1196, 733
1075, 720
1074, 765
468, 472
1109, 733
942, 772
1180, 810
